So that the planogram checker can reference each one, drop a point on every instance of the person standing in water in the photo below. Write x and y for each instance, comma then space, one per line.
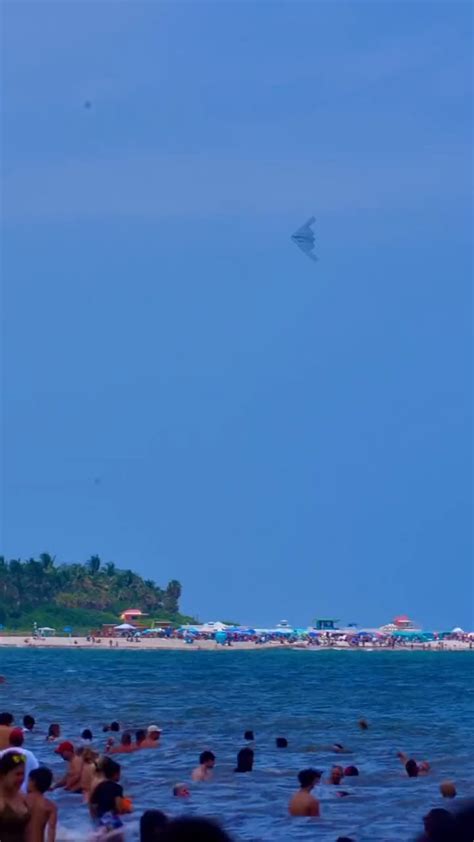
44, 814
303, 802
15, 813
204, 772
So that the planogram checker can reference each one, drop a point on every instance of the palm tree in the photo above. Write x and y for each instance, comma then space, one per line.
171, 596
94, 564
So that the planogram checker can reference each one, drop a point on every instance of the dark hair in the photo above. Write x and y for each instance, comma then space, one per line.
110, 769
55, 726
351, 772
140, 735
86, 734
42, 778
281, 742
11, 760
29, 722
206, 756
411, 767
244, 760
126, 739
192, 829
104, 763
249, 736
307, 777
440, 825
115, 726
6, 719
344, 839
151, 822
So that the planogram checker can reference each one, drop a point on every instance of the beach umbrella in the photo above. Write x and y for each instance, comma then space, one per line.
221, 637
125, 627
67, 629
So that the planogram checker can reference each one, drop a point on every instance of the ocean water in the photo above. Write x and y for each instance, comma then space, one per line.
418, 702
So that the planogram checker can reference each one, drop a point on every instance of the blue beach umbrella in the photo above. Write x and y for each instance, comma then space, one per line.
221, 637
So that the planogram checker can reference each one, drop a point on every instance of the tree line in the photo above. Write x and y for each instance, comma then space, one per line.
39, 583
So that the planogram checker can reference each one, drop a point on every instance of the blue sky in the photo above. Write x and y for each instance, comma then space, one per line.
184, 392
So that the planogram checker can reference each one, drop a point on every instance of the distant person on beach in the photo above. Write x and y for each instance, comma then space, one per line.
6, 724
44, 814
244, 760
71, 781
54, 732
193, 830
124, 747
204, 771
303, 803
29, 723
16, 747
152, 824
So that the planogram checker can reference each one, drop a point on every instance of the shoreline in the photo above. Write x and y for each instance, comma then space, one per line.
175, 645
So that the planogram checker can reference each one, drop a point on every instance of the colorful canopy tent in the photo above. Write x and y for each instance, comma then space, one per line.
124, 627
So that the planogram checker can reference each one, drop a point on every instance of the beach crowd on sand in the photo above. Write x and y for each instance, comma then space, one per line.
92, 777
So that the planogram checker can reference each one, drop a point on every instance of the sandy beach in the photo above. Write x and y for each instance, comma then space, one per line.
210, 645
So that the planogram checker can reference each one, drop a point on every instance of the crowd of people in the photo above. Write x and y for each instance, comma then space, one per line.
27, 814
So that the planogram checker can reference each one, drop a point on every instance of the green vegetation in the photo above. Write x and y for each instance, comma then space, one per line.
82, 596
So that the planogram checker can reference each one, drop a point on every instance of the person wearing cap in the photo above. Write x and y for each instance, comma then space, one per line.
71, 781
16, 741
303, 802
152, 739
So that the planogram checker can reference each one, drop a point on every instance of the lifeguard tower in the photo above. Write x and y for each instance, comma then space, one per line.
325, 624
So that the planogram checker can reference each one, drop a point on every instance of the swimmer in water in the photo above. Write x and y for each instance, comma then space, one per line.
412, 768
363, 724
181, 791
152, 824
71, 781
125, 746
6, 727
447, 789
152, 737
204, 771
303, 802
244, 760
29, 723
86, 737
336, 776
44, 814
89, 760
14, 811
54, 732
